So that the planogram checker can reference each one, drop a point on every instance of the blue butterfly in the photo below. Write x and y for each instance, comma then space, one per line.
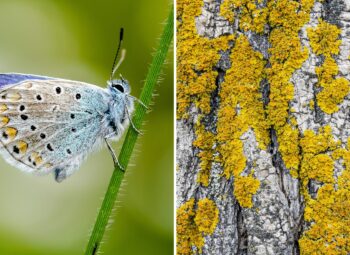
51, 124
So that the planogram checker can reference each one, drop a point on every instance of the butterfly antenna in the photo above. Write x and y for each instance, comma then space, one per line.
114, 66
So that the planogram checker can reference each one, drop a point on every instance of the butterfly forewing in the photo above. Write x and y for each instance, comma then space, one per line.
44, 123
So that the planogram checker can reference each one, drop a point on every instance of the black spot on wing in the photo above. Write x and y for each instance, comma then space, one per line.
15, 149
49, 147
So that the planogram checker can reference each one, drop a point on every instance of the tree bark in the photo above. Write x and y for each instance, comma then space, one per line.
263, 105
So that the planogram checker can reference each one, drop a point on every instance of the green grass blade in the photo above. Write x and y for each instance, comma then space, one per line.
131, 137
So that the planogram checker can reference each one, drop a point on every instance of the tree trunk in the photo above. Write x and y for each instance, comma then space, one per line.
263, 155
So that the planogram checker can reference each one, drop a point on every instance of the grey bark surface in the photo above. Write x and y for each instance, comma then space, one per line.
276, 227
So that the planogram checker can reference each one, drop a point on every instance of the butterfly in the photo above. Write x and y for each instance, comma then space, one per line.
50, 125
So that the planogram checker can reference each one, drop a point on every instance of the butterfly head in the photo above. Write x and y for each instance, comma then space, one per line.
119, 89
120, 86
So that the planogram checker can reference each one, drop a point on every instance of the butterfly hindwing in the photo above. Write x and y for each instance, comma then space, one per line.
47, 123
14, 78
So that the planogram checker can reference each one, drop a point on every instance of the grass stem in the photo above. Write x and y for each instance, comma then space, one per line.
131, 137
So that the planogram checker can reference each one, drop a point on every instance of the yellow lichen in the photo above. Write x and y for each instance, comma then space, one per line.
327, 71
241, 108
288, 137
329, 213
253, 19
309, 156
205, 142
324, 41
232, 158
187, 233
288, 14
318, 167
316, 143
196, 78
312, 104
244, 189
333, 94
226, 10
286, 55
316, 164
207, 216
330, 232
324, 38
193, 222
250, 16
196, 57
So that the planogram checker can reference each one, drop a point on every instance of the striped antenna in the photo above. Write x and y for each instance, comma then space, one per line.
114, 66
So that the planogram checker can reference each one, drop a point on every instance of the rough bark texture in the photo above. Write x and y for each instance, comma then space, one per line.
282, 218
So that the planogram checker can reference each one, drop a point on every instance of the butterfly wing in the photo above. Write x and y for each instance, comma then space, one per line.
49, 124
14, 78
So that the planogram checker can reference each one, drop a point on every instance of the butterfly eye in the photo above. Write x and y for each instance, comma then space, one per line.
119, 87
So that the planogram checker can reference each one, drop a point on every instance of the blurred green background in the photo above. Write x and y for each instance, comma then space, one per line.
77, 40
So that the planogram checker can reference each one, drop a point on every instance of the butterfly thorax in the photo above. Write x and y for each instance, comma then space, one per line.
120, 107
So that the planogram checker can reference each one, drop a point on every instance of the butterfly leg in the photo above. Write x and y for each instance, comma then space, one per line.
114, 157
131, 123
138, 100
